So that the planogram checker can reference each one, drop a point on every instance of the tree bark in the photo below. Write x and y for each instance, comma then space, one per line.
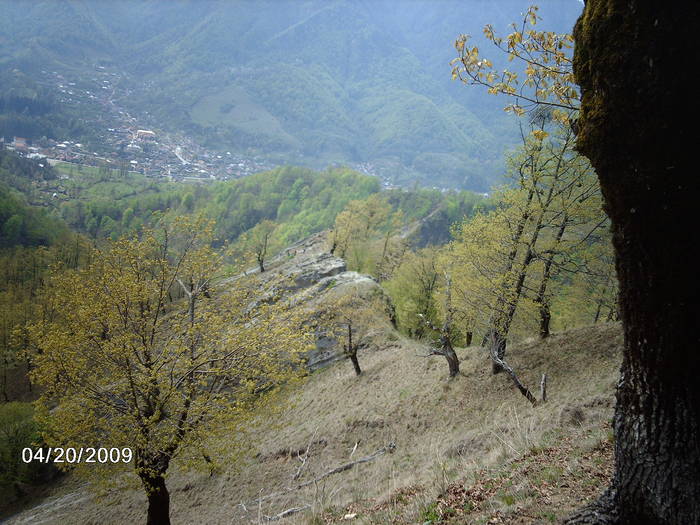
158, 499
4, 380
355, 363
597, 311
453, 364
497, 342
542, 299
351, 351
446, 333
634, 61
452, 359
545, 319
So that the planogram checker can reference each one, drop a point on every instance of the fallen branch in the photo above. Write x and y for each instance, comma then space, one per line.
347, 466
286, 513
303, 458
543, 388
523, 389
342, 468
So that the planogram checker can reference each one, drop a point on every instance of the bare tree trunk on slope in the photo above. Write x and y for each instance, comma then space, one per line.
446, 349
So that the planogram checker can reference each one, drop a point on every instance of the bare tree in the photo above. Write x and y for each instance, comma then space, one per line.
446, 348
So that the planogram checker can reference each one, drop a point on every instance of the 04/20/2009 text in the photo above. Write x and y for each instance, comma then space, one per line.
77, 455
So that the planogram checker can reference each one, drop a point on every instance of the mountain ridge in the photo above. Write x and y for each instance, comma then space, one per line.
373, 88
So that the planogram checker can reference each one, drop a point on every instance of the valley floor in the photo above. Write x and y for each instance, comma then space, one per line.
409, 445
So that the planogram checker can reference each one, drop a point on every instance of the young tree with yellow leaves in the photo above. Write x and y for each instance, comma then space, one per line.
122, 366
354, 316
560, 203
544, 57
508, 259
357, 225
446, 331
256, 244
413, 287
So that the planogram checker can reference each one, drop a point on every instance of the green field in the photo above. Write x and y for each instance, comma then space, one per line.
233, 108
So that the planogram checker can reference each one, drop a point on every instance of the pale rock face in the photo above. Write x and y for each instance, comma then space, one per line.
325, 291
310, 272
309, 277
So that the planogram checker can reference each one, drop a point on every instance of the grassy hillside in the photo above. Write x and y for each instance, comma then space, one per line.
468, 450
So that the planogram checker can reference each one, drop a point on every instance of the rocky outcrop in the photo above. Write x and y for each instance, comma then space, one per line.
310, 272
309, 277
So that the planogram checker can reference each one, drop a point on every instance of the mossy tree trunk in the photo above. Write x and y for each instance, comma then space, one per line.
635, 62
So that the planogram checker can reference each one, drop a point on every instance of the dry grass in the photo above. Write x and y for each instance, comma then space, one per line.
445, 431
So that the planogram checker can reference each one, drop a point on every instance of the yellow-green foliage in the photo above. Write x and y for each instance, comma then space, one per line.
364, 235
17, 431
364, 309
22, 274
481, 273
547, 79
546, 241
124, 363
412, 289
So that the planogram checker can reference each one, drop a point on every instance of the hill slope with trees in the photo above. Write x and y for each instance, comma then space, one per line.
284, 79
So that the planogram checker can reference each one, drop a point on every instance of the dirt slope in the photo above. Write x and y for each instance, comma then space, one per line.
470, 450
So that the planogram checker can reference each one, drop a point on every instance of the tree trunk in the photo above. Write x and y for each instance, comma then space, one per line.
158, 500
597, 312
351, 351
355, 363
541, 299
29, 377
494, 335
452, 359
601, 301
634, 61
446, 333
4, 380
501, 325
498, 346
468, 338
545, 319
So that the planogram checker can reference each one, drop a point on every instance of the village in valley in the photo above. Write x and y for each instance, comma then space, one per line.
129, 143
123, 142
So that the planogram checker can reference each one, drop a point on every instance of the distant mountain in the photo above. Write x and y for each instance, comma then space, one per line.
312, 82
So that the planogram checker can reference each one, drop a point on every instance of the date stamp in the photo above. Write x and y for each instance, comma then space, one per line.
73, 455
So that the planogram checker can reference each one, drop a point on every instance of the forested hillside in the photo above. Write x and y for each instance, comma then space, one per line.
22, 224
282, 79
250, 271
329, 262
